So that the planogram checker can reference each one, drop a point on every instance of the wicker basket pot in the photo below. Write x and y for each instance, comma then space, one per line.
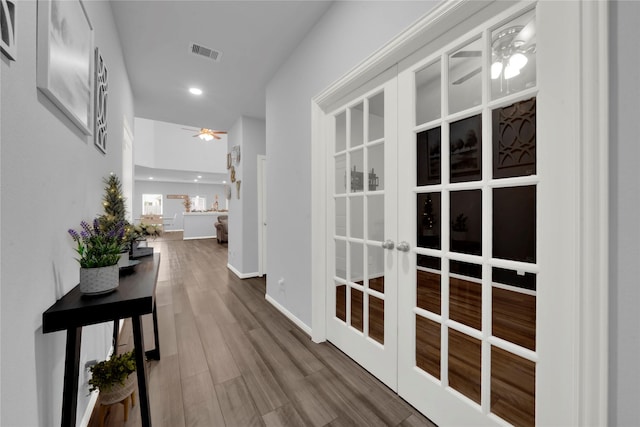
119, 392
100, 280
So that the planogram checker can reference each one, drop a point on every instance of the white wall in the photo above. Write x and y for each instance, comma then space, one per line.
165, 145
51, 180
346, 35
249, 134
624, 326
175, 206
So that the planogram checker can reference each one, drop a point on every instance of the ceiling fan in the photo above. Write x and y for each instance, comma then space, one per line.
510, 48
207, 134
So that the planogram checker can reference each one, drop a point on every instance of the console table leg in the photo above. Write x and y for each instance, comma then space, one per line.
155, 353
71, 374
141, 369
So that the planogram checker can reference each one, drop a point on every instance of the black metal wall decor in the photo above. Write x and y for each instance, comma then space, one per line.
101, 89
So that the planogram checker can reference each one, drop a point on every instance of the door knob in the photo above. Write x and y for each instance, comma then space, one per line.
403, 246
388, 244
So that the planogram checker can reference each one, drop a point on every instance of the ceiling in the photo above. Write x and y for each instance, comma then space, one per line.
254, 38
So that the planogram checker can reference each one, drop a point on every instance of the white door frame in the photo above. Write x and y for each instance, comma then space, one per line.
589, 400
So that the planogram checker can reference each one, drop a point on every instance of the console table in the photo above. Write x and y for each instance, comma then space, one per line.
134, 297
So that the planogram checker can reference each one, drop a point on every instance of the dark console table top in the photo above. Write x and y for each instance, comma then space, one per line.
135, 295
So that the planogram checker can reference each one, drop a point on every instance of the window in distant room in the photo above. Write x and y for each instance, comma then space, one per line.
152, 204
198, 203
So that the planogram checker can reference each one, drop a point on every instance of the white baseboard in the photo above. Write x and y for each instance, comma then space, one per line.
84, 422
199, 237
242, 275
299, 323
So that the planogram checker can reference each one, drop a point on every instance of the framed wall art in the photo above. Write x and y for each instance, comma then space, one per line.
64, 31
101, 92
8, 43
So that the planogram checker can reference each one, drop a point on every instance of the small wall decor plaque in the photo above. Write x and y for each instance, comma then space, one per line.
8, 26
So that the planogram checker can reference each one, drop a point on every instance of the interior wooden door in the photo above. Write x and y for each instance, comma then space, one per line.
480, 195
362, 224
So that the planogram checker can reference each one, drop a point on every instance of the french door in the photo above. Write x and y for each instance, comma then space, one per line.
363, 290
452, 264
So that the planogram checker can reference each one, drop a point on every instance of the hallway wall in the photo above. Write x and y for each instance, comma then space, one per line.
51, 177
346, 35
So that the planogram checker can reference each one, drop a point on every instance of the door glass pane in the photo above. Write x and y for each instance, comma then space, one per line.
513, 388
356, 262
514, 223
375, 267
428, 293
341, 302
465, 294
428, 94
376, 319
357, 171
465, 77
513, 56
341, 174
341, 259
376, 117
514, 139
375, 212
428, 156
464, 364
376, 167
356, 309
341, 216
428, 346
341, 131
356, 214
466, 221
357, 125
466, 149
513, 316
429, 218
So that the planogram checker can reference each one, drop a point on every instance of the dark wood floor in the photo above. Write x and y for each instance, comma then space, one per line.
230, 359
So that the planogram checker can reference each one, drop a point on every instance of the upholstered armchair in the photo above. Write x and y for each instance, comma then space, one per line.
222, 233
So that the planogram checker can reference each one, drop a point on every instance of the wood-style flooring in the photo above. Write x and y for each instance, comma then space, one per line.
228, 358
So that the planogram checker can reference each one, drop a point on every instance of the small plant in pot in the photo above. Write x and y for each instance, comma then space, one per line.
99, 252
113, 378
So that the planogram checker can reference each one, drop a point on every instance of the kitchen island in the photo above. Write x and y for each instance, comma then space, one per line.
200, 225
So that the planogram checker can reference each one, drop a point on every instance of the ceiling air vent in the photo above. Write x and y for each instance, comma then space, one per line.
199, 50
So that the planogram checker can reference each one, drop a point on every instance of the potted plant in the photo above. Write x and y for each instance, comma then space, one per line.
112, 377
99, 252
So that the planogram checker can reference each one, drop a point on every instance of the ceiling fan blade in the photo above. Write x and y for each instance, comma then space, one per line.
467, 76
216, 136
526, 36
467, 54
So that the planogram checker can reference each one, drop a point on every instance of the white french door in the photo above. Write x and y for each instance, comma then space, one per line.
452, 239
362, 295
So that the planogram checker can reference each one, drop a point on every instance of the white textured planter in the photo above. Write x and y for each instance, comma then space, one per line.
95, 281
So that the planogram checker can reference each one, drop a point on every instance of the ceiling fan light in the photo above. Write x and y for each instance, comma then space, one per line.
510, 71
518, 61
496, 69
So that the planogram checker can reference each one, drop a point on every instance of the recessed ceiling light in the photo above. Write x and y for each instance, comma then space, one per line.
195, 180
224, 182
199, 176
150, 177
195, 91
